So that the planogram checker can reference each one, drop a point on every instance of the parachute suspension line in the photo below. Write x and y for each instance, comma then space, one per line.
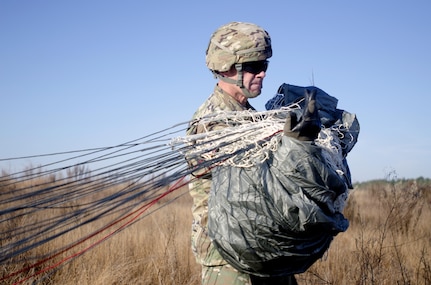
122, 178
247, 132
133, 218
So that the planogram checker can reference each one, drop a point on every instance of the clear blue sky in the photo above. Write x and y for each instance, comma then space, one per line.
80, 74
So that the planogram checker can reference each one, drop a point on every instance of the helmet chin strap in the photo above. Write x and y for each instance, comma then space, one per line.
239, 82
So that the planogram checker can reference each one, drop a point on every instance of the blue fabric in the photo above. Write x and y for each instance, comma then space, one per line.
329, 114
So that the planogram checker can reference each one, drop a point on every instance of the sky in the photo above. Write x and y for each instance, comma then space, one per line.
81, 74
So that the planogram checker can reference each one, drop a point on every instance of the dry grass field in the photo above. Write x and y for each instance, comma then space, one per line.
388, 242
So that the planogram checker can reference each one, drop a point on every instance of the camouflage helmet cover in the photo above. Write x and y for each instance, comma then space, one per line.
237, 42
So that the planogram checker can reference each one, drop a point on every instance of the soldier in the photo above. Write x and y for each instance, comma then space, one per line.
237, 55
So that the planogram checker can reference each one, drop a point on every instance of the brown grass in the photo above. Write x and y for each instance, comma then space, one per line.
388, 242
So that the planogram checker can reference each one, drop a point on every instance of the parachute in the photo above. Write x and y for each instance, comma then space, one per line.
121, 184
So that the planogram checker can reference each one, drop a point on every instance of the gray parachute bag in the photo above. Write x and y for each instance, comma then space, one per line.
277, 217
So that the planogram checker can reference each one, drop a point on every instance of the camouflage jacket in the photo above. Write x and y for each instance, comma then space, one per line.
202, 246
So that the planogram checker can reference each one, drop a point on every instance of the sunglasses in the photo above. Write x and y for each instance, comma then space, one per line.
255, 67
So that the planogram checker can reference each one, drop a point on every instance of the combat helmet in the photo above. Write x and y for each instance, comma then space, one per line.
234, 44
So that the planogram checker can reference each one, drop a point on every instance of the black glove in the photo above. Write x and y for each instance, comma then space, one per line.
308, 127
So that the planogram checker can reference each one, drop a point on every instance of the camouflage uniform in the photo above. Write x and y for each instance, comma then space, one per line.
231, 45
215, 270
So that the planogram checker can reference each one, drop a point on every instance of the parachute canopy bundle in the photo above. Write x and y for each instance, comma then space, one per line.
278, 213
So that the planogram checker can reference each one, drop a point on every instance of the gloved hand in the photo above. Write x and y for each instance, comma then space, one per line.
308, 127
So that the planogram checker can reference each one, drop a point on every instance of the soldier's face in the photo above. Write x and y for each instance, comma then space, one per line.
253, 75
